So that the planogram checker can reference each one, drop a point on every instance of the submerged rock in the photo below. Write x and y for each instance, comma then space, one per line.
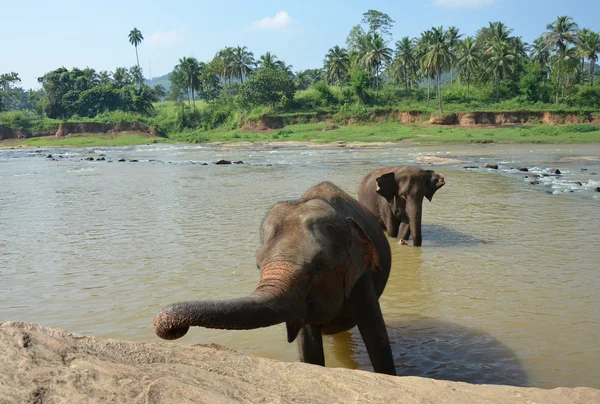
554, 171
46, 365
238, 162
121, 160
223, 161
491, 165
89, 158
523, 169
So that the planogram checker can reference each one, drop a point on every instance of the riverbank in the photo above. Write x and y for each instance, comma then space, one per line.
324, 132
45, 364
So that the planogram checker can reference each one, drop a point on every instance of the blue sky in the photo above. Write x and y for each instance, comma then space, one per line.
38, 36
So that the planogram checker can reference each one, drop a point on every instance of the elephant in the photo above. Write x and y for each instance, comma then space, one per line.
324, 260
395, 195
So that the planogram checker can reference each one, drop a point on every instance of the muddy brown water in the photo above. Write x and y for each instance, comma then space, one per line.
504, 289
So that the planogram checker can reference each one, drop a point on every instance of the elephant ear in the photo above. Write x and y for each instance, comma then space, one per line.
434, 182
363, 256
387, 186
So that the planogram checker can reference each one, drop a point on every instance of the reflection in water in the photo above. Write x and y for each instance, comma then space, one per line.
504, 289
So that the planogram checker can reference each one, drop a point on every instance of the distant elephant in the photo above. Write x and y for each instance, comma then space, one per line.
395, 195
324, 262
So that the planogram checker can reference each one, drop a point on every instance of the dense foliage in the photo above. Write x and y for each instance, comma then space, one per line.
491, 70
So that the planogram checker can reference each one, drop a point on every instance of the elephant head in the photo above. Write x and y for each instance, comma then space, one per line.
310, 259
404, 189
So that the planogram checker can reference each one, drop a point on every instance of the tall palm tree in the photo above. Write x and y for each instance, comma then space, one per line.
421, 51
136, 38
268, 60
405, 62
589, 45
469, 59
377, 53
439, 57
189, 70
501, 63
561, 33
337, 63
242, 63
453, 36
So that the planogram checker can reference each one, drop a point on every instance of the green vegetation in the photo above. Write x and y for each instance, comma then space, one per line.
365, 82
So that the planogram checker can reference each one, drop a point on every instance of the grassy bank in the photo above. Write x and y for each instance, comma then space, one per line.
91, 140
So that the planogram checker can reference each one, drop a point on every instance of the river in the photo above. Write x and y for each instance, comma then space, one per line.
504, 289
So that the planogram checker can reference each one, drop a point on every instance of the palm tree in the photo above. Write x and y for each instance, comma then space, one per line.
121, 77
501, 63
439, 57
242, 63
589, 46
561, 33
337, 63
268, 60
422, 44
541, 55
377, 53
136, 38
469, 59
137, 75
453, 36
280, 64
404, 66
160, 91
189, 70
104, 78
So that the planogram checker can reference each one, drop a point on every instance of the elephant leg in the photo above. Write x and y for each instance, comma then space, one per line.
310, 345
403, 233
371, 325
392, 224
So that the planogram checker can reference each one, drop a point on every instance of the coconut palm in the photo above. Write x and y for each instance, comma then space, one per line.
337, 63
377, 53
242, 63
137, 75
421, 51
189, 70
136, 38
404, 66
439, 57
104, 78
561, 33
268, 60
589, 47
469, 59
453, 37
121, 77
541, 55
501, 63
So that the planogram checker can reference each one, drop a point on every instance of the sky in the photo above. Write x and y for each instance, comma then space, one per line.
37, 36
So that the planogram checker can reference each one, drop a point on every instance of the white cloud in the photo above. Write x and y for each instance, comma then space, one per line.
160, 38
463, 3
280, 21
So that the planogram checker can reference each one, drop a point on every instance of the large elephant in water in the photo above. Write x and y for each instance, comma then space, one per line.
395, 195
324, 262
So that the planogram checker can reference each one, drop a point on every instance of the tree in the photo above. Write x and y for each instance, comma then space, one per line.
188, 71
453, 37
7, 88
104, 78
422, 48
242, 63
267, 86
121, 77
308, 77
137, 74
541, 55
438, 57
561, 33
269, 60
160, 91
136, 38
403, 69
376, 54
469, 60
378, 22
360, 82
589, 45
501, 63
337, 64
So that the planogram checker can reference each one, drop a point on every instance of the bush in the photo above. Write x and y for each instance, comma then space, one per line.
588, 97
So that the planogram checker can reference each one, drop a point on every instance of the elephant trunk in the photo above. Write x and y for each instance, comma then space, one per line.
414, 211
279, 297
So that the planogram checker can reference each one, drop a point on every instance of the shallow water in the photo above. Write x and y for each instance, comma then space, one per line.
504, 289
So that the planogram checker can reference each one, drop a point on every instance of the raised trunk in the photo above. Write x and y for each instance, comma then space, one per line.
279, 297
414, 211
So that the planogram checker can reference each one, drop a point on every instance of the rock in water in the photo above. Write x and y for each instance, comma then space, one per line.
491, 165
223, 161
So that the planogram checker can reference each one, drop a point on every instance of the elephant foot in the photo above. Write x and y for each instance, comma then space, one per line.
402, 242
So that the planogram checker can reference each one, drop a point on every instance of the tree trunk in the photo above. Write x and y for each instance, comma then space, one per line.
497, 90
428, 85
592, 63
439, 80
468, 84
136, 57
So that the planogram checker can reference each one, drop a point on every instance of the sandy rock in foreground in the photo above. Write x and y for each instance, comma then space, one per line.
48, 365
